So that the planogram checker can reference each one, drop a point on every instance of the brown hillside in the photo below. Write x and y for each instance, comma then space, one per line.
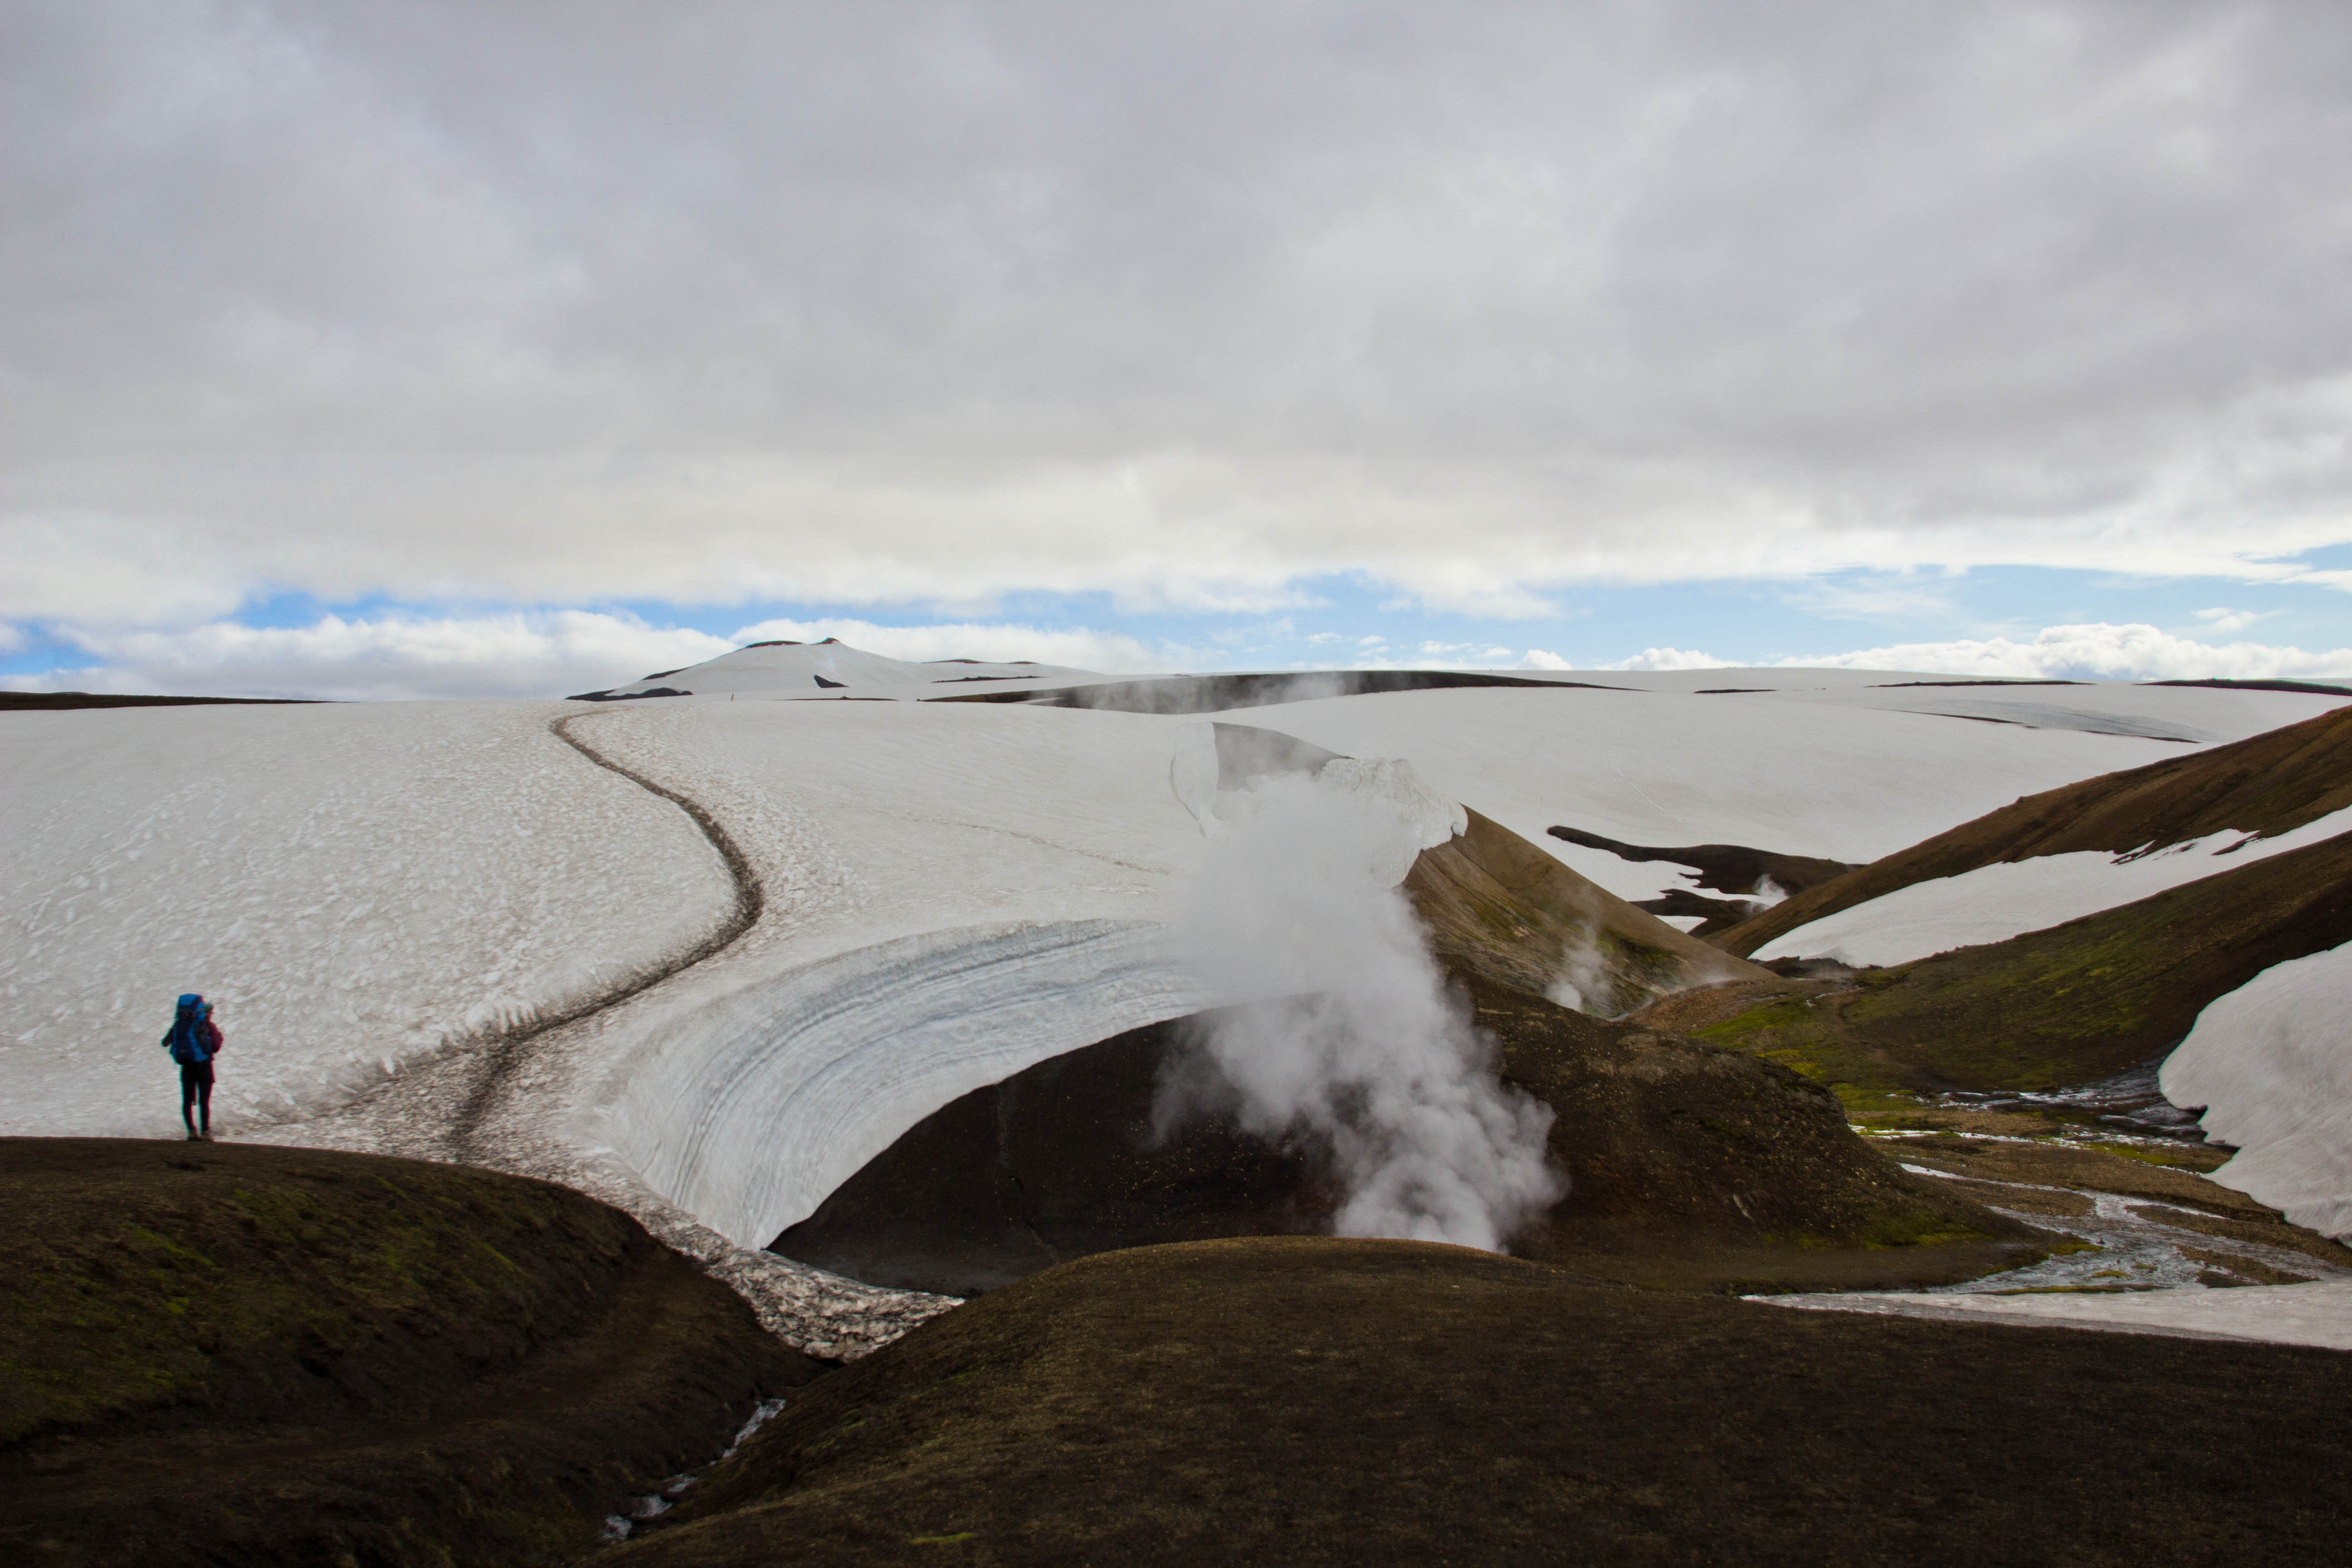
1311, 1401
1497, 906
2265, 785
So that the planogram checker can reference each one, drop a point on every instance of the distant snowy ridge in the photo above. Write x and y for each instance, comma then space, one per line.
827, 666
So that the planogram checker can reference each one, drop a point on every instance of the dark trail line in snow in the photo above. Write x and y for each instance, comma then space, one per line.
504, 1053
471, 1104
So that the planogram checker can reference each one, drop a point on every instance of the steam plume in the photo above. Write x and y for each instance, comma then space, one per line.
1351, 1039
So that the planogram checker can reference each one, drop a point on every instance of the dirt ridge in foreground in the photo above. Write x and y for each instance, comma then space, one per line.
1315, 1401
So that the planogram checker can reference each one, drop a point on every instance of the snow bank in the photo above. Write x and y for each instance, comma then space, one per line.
749, 1109
353, 885
1993, 904
2272, 1063
2315, 1314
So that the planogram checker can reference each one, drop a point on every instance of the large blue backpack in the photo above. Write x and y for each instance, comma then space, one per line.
186, 1039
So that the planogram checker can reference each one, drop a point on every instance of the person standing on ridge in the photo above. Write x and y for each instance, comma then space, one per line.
193, 1041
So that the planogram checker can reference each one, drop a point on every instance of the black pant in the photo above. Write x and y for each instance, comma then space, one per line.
196, 1093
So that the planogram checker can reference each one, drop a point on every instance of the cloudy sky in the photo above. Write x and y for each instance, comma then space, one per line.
417, 349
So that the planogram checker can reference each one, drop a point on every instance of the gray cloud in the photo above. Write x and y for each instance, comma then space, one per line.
933, 303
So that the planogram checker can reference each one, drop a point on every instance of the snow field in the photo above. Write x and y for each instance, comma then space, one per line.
353, 885
1838, 780
2203, 714
2272, 1063
2207, 715
954, 893
1993, 904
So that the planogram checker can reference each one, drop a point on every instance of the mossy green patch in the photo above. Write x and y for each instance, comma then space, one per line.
2066, 1006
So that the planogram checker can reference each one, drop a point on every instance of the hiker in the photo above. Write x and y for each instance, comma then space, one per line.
193, 1041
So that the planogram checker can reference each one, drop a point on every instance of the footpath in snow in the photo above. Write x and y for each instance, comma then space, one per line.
357, 887
2271, 1065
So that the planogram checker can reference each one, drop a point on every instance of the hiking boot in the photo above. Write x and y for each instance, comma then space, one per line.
195, 1137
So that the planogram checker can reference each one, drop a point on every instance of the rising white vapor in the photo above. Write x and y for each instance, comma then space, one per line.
1353, 1044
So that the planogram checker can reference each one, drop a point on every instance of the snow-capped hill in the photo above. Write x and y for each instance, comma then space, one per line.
2072, 851
828, 666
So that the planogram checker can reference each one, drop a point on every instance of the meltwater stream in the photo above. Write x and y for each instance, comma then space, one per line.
2134, 1244
2132, 1101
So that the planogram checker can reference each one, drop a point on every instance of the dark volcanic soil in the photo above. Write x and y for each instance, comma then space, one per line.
51, 702
1690, 1168
1726, 868
226, 1353
1313, 1401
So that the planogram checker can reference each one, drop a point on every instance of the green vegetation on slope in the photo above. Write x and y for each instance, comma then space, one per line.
1695, 1167
2067, 1005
